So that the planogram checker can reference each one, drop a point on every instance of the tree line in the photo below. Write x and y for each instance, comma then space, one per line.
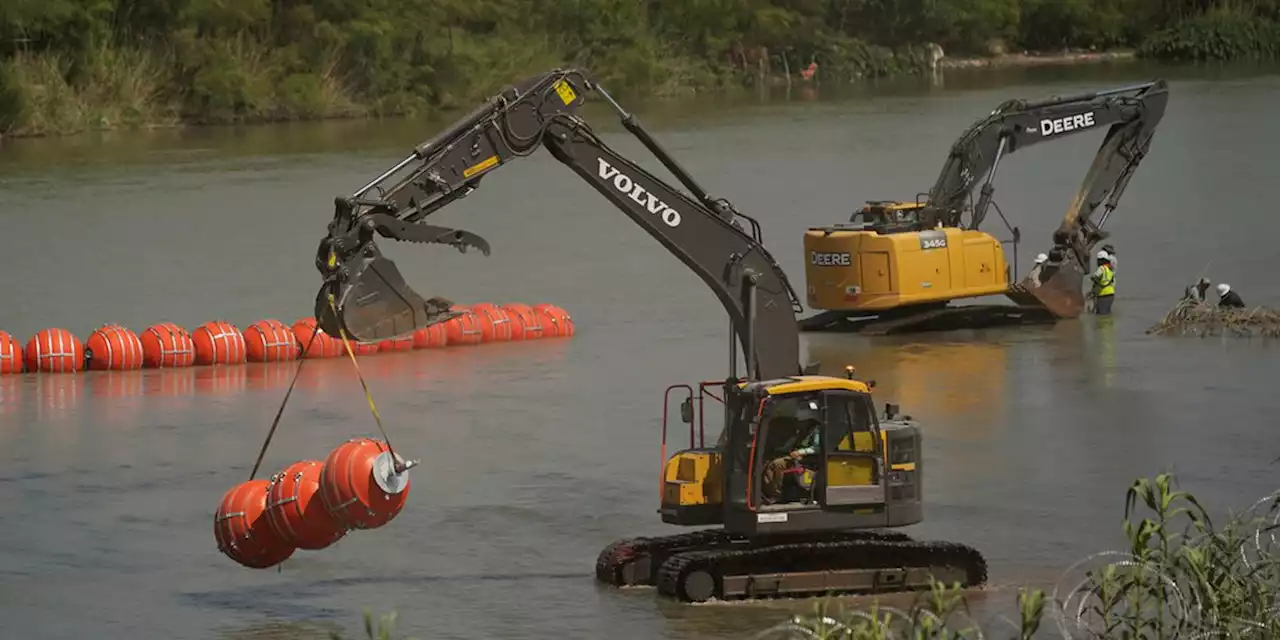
68, 65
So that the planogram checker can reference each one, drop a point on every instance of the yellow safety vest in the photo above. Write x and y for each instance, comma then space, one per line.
1107, 283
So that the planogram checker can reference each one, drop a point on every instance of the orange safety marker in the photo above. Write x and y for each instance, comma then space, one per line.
525, 323
556, 321
463, 329
323, 346
495, 324
431, 337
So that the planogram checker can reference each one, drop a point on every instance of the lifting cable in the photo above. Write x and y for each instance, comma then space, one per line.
398, 466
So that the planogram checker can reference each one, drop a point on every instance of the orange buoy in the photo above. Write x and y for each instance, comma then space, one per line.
556, 321
218, 342
113, 347
270, 341
55, 351
324, 345
495, 324
360, 348
167, 345
359, 485
10, 355
403, 343
295, 512
431, 337
525, 323
463, 329
242, 530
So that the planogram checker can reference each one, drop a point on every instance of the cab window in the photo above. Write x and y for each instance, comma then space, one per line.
849, 424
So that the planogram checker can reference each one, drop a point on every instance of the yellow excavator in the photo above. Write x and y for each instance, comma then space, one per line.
897, 266
799, 493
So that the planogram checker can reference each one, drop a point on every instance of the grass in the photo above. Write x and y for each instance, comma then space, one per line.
1183, 576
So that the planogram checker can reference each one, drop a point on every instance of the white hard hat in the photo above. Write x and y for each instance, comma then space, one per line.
1223, 288
1103, 255
1041, 258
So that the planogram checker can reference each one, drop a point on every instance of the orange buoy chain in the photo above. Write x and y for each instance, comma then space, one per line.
168, 345
362, 484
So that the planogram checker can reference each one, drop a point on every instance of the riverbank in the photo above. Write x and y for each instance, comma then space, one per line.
111, 101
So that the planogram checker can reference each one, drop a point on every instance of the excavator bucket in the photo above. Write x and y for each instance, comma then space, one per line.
1061, 293
370, 301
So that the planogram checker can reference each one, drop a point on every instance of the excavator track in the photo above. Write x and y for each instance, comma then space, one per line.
635, 561
814, 568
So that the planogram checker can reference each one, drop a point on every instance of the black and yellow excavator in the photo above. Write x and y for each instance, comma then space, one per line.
805, 476
896, 266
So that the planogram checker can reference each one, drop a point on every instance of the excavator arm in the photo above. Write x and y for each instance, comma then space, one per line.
1132, 114
365, 296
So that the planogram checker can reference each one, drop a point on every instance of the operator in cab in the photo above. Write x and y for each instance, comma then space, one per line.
1104, 284
1228, 299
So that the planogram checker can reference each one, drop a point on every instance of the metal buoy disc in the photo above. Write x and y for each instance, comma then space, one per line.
384, 473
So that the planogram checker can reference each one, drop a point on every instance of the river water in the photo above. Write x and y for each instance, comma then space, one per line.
536, 455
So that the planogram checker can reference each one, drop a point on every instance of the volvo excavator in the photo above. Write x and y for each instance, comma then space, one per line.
896, 266
774, 518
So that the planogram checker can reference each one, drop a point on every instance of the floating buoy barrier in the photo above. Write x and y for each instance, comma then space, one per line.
558, 320
270, 341
242, 530
55, 351
218, 342
11, 357
167, 345
525, 323
295, 511
465, 328
495, 324
360, 485
431, 337
113, 347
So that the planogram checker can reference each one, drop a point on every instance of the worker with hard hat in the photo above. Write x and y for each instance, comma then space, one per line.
1104, 284
1228, 299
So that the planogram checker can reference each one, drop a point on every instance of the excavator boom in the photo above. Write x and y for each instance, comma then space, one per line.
365, 296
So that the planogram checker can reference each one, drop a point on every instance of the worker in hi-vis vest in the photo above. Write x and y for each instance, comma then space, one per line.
1104, 285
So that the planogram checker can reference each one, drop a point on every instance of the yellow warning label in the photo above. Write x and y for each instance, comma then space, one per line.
333, 259
565, 91
488, 163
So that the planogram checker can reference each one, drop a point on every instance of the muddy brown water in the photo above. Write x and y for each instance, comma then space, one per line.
537, 455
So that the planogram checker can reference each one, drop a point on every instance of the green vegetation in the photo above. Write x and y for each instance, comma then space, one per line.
76, 65
1182, 576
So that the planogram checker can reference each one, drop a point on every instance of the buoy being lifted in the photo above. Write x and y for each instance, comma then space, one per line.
295, 511
431, 337
243, 532
322, 345
362, 485
463, 329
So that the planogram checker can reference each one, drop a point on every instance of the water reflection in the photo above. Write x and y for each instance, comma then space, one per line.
932, 378
453, 371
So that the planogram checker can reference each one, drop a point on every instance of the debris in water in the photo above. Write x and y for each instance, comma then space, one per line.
1191, 317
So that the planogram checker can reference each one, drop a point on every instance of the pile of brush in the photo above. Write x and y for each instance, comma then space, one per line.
1191, 317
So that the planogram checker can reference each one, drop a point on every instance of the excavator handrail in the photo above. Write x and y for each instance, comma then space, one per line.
373, 302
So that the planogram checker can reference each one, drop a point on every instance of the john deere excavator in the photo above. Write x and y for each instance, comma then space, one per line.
896, 266
791, 521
